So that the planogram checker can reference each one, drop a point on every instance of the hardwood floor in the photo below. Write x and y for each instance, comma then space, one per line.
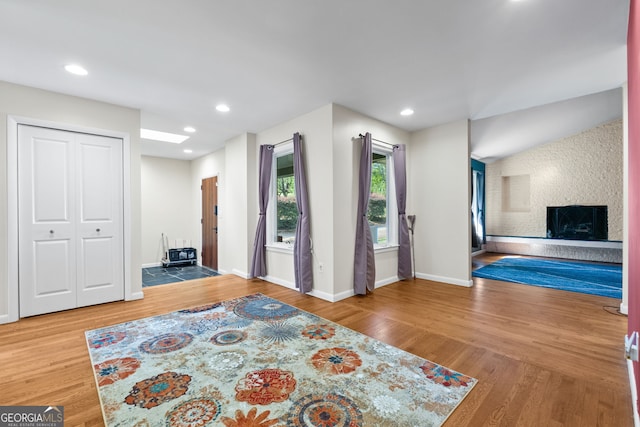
542, 357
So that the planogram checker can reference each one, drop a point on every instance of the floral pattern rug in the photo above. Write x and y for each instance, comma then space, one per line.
258, 362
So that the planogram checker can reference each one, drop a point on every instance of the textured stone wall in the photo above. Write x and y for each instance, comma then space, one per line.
583, 169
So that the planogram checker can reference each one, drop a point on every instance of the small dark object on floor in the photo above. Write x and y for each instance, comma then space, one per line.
152, 276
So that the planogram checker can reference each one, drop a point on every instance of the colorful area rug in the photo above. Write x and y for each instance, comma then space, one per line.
258, 362
595, 279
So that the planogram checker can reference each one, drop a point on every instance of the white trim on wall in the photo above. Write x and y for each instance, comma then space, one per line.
237, 272
634, 393
13, 298
624, 308
448, 280
385, 282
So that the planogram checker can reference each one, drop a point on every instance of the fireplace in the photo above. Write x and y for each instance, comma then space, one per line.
577, 222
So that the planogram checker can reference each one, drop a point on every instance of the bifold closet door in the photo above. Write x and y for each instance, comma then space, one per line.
70, 220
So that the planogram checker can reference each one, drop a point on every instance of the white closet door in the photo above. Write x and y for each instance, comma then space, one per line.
47, 250
71, 220
100, 246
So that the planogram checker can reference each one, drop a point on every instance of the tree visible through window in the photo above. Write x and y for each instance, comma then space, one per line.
286, 209
377, 213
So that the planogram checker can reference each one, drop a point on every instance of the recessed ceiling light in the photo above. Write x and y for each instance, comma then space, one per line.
76, 69
186, 150
189, 129
223, 108
162, 136
406, 112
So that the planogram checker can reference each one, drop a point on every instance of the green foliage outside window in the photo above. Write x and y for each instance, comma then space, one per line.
377, 213
286, 208
287, 214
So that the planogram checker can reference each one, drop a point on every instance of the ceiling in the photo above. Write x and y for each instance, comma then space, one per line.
272, 61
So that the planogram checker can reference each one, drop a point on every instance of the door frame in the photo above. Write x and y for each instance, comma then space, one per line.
202, 221
13, 291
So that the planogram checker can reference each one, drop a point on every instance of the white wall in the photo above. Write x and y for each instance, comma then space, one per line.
167, 198
583, 169
208, 166
315, 128
438, 172
239, 204
332, 150
39, 104
440, 199
347, 125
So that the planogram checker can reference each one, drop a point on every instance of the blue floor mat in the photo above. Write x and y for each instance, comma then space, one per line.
152, 276
595, 279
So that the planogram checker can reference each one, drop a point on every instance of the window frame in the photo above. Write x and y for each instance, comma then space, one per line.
392, 205
272, 223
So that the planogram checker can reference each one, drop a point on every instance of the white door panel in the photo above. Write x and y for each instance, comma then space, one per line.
100, 270
49, 284
50, 177
96, 179
46, 231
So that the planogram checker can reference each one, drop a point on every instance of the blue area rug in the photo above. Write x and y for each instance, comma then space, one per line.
595, 279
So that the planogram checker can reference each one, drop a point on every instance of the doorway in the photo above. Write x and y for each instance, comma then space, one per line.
209, 253
70, 215
478, 236
13, 268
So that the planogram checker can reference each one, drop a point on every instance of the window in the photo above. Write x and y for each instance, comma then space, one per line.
382, 211
284, 210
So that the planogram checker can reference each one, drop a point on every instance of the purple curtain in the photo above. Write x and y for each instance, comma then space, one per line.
400, 174
259, 262
364, 264
302, 245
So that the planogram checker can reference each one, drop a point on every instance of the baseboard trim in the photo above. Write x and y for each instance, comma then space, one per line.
289, 285
448, 280
242, 274
385, 282
327, 296
314, 293
624, 309
634, 393
152, 264
342, 295
135, 295
277, 281
4, 318
481, 251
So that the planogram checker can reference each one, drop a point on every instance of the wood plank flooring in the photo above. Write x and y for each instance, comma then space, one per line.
542, 357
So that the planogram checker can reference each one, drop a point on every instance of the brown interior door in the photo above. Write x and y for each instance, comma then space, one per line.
210, 222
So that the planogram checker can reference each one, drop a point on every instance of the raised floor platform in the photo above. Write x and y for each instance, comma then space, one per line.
598, 251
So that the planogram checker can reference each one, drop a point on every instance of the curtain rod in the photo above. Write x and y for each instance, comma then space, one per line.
286, 140
380, 141
282, 142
